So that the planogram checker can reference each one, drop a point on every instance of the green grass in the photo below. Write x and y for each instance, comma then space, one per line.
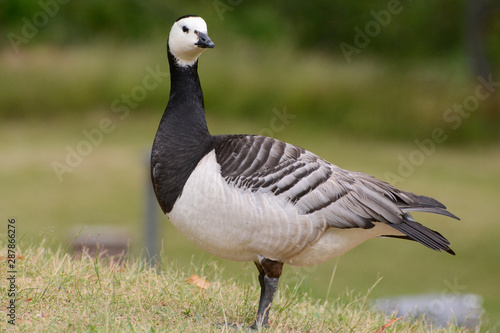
107, 188
60, 293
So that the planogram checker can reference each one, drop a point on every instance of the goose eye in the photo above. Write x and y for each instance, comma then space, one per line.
185, 29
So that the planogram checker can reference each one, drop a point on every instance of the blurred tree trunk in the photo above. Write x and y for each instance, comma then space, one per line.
477, 17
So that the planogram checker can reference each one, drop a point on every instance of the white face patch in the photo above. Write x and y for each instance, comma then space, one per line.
183, 38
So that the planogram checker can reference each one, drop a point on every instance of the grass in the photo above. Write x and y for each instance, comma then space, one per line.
61, 293
107, 188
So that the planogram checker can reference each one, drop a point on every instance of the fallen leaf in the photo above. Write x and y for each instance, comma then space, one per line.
17, 256
387, 325
198, 281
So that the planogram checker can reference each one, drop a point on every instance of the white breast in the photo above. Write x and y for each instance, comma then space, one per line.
239, 224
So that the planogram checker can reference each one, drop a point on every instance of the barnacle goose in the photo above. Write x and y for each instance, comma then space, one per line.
254, 198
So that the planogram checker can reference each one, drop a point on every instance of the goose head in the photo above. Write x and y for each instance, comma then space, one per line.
188, 39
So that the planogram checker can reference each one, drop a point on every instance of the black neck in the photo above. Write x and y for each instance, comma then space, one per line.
185, 106
182, 138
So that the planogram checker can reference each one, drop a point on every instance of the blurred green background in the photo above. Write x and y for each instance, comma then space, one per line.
398, 90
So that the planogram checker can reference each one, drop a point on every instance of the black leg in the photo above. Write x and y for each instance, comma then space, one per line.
262, 290
266, 300
269, 274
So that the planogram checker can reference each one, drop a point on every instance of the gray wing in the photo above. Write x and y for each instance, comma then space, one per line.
344, 198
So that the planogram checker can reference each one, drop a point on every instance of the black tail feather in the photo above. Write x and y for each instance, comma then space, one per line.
425, 236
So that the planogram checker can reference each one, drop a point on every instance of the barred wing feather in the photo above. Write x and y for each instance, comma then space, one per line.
345, 199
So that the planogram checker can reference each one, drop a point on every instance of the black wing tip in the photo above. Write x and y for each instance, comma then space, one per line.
450, 251
427, 204
429, 201
443, 211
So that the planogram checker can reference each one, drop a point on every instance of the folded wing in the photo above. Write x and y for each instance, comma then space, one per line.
345, 199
